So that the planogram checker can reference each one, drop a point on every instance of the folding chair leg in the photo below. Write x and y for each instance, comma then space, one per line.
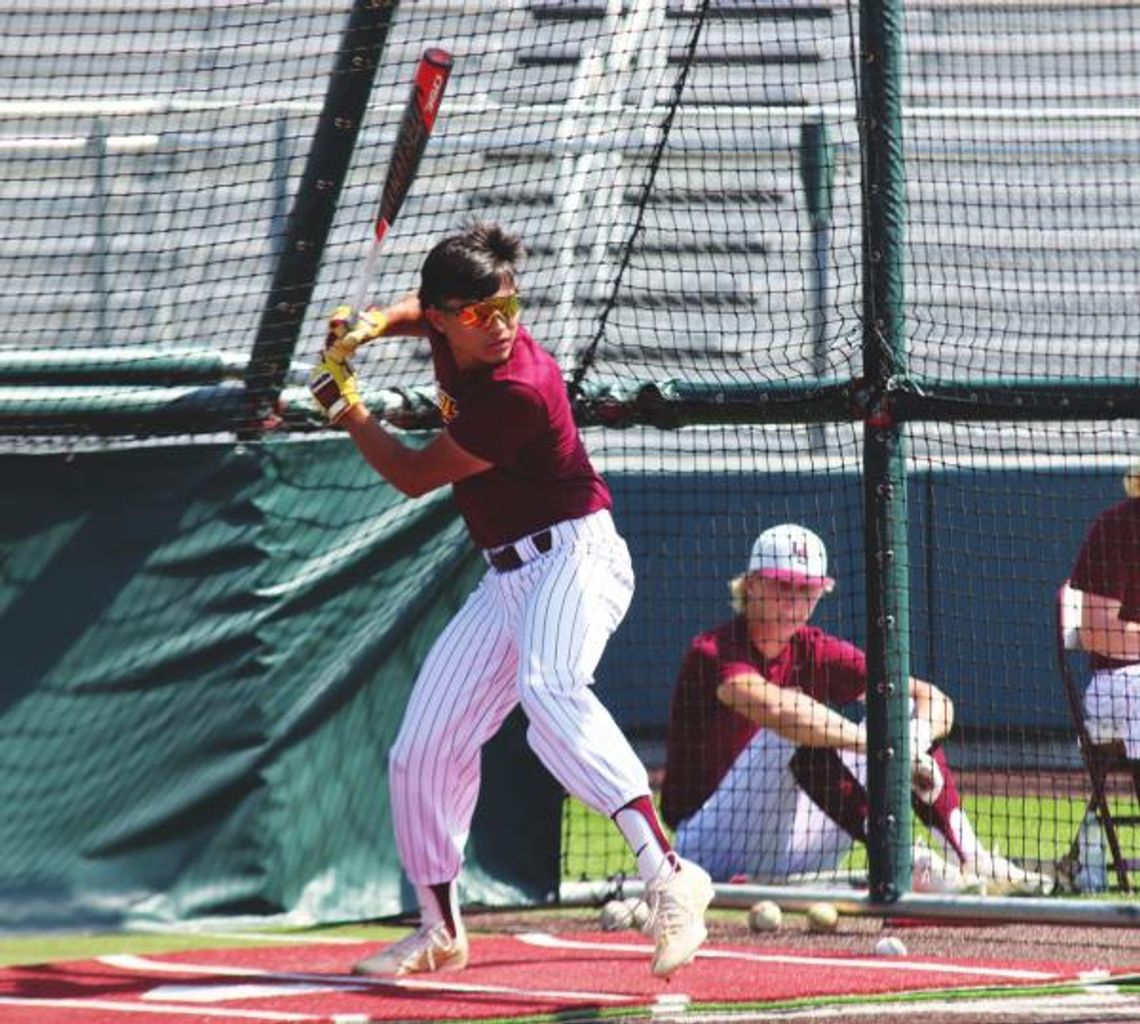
1115, 855
1074, 854
1108, 826
1135, 766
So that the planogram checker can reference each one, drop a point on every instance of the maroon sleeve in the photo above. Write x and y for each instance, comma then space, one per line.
839, 669
1095, 572
1108, 563
497, 421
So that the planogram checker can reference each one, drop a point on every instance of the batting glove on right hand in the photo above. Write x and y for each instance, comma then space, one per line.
343, 341
926, 777
333, 385
340, 320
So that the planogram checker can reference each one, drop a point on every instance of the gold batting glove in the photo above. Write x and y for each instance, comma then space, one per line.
343, 341
369, 326
333, 385
341, 320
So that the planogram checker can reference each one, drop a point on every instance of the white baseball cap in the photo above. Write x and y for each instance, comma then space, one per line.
791, 552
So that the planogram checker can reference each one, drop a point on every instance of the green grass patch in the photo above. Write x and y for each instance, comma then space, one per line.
1037, 830
592, 846
1034, 829
35, 949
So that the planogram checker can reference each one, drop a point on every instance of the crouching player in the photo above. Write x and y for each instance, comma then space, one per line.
765, 779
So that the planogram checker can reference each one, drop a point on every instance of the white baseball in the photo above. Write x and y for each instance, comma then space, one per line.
764, 916
616, 916
890, 945
822, 917
638, 912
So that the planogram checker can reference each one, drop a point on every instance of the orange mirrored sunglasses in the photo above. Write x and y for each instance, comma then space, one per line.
478, 314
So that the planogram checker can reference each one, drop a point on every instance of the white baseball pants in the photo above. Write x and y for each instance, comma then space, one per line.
533, 636
758, 822
1112, 708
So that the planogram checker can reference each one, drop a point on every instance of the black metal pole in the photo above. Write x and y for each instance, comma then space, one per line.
884, 456
314, 205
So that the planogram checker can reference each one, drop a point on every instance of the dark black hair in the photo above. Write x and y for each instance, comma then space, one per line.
470, 265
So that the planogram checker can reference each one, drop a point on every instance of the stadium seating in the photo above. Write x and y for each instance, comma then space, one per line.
158, 157
175, 141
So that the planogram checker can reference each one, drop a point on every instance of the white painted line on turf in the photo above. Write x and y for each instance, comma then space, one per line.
170, 1008
878, 964
1031, 1010
669, 1005
352, 982
246, 990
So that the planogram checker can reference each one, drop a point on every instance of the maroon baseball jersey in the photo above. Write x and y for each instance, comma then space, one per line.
1108, 563
517, 416
705, 735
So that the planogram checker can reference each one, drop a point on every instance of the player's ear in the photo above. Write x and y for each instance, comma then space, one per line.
434, 317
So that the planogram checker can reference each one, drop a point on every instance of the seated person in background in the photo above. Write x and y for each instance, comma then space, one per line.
1107, 572
763, 778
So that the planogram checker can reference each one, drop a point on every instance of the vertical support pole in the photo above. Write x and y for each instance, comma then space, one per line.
314, 205
279, 216
817, 172
101, 194
884, 456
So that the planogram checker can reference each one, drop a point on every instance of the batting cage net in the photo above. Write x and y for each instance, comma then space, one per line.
866, 269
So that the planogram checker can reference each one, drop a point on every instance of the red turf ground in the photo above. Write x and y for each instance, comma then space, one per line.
509, 976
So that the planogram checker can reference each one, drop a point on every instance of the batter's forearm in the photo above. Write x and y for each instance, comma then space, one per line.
384, 453
405, 317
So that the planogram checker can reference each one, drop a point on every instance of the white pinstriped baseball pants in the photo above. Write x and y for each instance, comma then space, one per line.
759, 822
533, 637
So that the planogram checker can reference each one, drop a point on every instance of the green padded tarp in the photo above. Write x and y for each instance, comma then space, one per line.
207, 651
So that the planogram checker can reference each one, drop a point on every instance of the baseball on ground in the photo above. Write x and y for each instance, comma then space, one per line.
639, 913
616, 916
822, 917
890, 945
764, 916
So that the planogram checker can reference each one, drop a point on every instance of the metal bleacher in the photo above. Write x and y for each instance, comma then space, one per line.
146, 168
1023, 200
172, 166
144, 171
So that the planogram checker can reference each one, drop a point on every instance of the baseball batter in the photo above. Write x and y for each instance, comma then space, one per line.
557, 585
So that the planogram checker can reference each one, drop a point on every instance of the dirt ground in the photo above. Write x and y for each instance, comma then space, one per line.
1106, 948
1099, 947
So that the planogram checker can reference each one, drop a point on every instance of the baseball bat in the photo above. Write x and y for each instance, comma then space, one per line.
411, 140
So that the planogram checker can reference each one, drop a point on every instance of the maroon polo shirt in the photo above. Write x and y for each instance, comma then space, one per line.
705, 736
516, 415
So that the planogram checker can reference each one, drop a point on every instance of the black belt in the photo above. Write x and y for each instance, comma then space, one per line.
507, 559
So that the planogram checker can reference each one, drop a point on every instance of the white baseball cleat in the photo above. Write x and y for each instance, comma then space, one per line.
677, 898
930, 872
427, 951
